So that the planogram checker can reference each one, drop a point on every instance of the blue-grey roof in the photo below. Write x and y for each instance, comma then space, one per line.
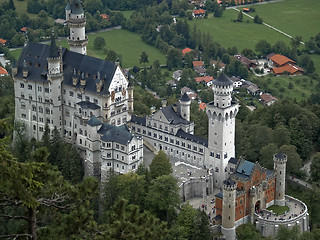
229, 182
76, 7
191, 137
233, 160
219, 195
87, 104
185, 98
280, 155
54, 51
138, 120
245, 167
68, 7
74, 64
222, 80
94, 121
218, 217
174, 117
269, 172
112, 133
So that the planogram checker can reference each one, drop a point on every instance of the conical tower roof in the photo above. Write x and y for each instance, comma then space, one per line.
76, 7
54, 51
223, 80
185, 98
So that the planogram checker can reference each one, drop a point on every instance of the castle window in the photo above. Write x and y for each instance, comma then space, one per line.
211, 154
109, 164
201, 150
23, 105
22, 95
195, 148
41, 129
122, 148
119, 121
46, 90
23, 115
149, 133
71, 93
280, 172
155, 125
160, 126
166, 139
21, 85
40, 110
95, 101
34, 127
218, 156
47, 111
30, 96
143, 131
34, 118
48, 120
171, 140
183, 144
117, 146
177, 142
29, 87
79, 96
108, 145
189, 146
155, 135
138, 130
41, 119
160, 137
217, 170
229, 206
225, 155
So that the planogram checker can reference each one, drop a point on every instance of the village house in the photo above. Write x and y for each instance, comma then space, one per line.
200, 13
283, 65
249, 63
3, 42
191, 94
220, 65
177, 75
267, 99
199, 67
186, 50
207, 80
202, 106
237, 83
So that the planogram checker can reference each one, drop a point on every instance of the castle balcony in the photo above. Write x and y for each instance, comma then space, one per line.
77, 20
78, 42
120, 103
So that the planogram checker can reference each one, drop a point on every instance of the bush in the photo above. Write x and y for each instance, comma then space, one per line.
99, 43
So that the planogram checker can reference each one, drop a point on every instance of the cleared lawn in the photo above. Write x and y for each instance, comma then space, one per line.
128, 44
242, 35
21, 7
294, 17
316, 60
301, 86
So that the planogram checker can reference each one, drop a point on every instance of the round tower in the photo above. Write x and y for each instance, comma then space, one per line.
185, 103
228, 228
280, 161
55, 78
221, 119
68, 10
77, 21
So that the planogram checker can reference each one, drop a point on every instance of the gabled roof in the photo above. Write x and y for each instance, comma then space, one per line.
288, 67
23, 29
267, 97
3, 71
233, 160
197, 63
186, 50
245, 167
74, 64
112, 133
94, 121
104, 16
219, 195
202, 106
199, 11
246, 61
204, 79
281, 60
174, 116
2, 41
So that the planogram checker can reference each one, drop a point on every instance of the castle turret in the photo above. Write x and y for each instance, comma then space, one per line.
221, 140
76, 21
55, 78
185, 103
130, 97
228, 228
280, 161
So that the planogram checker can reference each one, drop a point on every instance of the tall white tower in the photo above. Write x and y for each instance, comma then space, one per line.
228, 228
185, 103
55, 78
221, 139
77, 21
280, 161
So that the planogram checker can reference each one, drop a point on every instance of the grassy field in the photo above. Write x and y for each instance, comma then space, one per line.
278, 86
128, 44
316, 60
244, 34
294, 17
21, 7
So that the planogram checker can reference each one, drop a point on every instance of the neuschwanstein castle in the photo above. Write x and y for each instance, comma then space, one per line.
90, 101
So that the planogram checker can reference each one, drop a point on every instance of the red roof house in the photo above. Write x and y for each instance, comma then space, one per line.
186, 50
197, 63
104, 16
2, 41
288, 68
268, 99
202, 106
198, 13
205, 79
23, 29
3, 72
280, 60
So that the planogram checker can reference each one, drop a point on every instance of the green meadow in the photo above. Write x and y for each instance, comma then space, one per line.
294, 17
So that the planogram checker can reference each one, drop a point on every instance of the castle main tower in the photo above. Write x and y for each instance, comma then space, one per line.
280, 161
221, 139
55, 78
228, 228
76, 19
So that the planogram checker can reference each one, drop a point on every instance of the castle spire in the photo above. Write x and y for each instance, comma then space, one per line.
54, 51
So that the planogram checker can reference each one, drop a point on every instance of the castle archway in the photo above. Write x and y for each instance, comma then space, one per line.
257, 206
